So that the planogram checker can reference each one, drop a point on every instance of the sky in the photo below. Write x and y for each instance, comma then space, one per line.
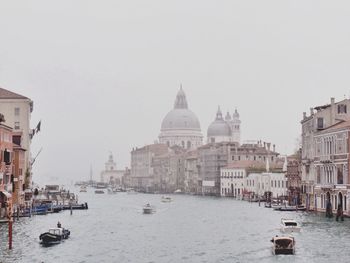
103, 74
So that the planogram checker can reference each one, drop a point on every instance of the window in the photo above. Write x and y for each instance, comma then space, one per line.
16, 111
320, 124
342, 109
17, 127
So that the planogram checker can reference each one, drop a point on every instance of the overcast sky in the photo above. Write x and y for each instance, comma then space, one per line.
103, 74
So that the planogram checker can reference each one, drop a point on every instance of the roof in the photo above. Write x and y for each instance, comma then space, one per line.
6, 94
343, 124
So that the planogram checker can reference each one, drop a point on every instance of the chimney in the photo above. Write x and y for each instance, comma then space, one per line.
268, 146
304, 115
332, 101
274, 148
311, 111
265, 145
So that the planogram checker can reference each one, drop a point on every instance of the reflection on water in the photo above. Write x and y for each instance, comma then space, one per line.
189, 229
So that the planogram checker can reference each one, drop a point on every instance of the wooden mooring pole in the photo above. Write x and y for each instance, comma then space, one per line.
10, 233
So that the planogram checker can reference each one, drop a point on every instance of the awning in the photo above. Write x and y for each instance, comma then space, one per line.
7, 194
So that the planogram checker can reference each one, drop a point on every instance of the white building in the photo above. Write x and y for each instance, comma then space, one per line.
111, 174
17, 111
232, 181
227, 130
261, 183
181, 126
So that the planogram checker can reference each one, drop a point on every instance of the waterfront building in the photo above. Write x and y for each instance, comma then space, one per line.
142, 174
181, 126
211, 158
168, 170
191, 172
294, 178
17, 111
111, 175
321, 118
6, 175
233, 179
331, 163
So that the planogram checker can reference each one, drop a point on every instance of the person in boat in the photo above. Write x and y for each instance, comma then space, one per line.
59, 224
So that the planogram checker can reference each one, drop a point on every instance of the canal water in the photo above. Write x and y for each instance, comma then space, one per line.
189, 229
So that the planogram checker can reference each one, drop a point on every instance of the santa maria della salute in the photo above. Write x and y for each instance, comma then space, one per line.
181, 127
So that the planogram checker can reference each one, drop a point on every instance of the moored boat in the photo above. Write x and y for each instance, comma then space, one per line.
99, 192
83, 189
283, 245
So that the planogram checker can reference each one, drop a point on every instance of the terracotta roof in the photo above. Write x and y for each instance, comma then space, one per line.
6, 94
338, 126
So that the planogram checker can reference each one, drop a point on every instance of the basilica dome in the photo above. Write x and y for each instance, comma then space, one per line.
219, 127
181, 126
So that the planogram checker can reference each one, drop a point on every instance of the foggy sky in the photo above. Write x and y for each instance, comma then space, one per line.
103, 74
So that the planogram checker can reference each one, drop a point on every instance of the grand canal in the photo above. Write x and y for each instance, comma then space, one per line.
190, 229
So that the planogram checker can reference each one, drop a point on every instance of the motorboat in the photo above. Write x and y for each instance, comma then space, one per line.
99, 192
291, 208
131, 191
178, 191
147, 209
54, 236
83, 189
166, 199
283, 245
289, 225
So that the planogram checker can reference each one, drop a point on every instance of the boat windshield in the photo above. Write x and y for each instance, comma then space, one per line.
55, 231
291, 223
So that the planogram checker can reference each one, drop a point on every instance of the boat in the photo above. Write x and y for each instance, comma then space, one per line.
112, 191
291, 208
99, 192
147, 209
131, 191
178, 191
166, 199
54, 236
83, 189
283, 245
268, 205
289, 225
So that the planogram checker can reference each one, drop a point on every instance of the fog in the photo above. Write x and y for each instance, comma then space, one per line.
103, 74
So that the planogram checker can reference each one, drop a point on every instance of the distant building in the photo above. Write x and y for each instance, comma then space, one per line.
191, 180
227, 130
181, 126
17, 111
294, 178
142, 174
111, 175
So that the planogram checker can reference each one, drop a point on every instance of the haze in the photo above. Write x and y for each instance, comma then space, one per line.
103, 74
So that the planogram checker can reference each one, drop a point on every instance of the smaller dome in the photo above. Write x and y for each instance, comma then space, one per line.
219, 127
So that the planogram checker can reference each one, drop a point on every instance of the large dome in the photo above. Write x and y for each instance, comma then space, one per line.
180, 119
219, 127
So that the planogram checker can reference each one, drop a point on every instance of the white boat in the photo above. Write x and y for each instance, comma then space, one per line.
147, 209
178, 191
166, 199
83, 189
283, 245
289, 225
131, 191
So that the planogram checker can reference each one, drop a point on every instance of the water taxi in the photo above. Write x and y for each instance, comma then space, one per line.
289, 225
147, 209
166, 199
283, 245
54, 236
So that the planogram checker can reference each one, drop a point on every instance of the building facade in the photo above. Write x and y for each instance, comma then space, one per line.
181, 126
17, 111
320, 118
